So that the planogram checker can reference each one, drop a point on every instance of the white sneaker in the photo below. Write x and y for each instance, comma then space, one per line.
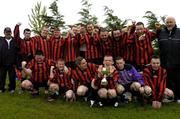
12, 91
46, 92
92, 103
178, 101
116, 104
100, 104
85, 99
167, 100
20, 91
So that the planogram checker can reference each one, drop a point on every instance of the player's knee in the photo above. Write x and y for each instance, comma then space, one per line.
69, 94
168, 93
135, 86
147, 90
26, 84
141, 90
112, 93
120, 89
53, 87
82, 90
102, 93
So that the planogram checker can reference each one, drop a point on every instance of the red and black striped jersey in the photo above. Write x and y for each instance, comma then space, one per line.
43, 44
127, 47
26, 45
93, 47
62, 78
156, 80
106, 47
71, 50
84, 77
112, 81
57, 48
143, 48
40, 70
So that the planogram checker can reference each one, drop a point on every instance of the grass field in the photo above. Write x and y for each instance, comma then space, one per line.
23, 106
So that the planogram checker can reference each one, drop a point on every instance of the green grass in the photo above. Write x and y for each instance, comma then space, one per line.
23, 106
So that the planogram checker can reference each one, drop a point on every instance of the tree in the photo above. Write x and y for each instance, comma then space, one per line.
86, 17
152, 19
56, 19
112, 21
36, 20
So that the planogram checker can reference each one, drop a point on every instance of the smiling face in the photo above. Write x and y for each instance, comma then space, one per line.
155, 63
27, 34
8, 35
44, 32
139, 29
170, 23
104, 35
83, 64
120, 63
90, 28
60, 64
39, 58
57, 33
116, 35
108, 61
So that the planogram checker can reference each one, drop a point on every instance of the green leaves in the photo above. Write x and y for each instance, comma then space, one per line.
86, 17
56, 19
36, 19
112, 22
151, 20
40, 18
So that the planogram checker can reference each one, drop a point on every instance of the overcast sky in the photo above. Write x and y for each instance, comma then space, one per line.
13, 11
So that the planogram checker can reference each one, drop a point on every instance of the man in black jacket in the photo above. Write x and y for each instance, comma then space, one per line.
169, 45
9, 52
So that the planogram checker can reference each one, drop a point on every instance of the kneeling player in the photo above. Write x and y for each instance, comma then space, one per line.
106, 81
83, 75
38, 70
129, 79
60, 82
155, 83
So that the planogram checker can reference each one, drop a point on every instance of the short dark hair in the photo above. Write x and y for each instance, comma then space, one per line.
89, 23
108, 56
39, 52
57, 29
27, 30
78, 60
7, 29
60, 60
155, 57
139, 23
103, 29
119, 58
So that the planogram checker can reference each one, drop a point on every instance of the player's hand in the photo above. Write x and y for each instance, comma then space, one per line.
23, 64
100, 70
19, 23
65, 69
158, 25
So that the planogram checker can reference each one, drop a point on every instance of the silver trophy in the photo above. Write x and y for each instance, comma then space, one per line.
105, 73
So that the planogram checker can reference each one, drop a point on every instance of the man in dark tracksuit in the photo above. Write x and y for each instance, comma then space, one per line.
8, 59
169, 45
0, 54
